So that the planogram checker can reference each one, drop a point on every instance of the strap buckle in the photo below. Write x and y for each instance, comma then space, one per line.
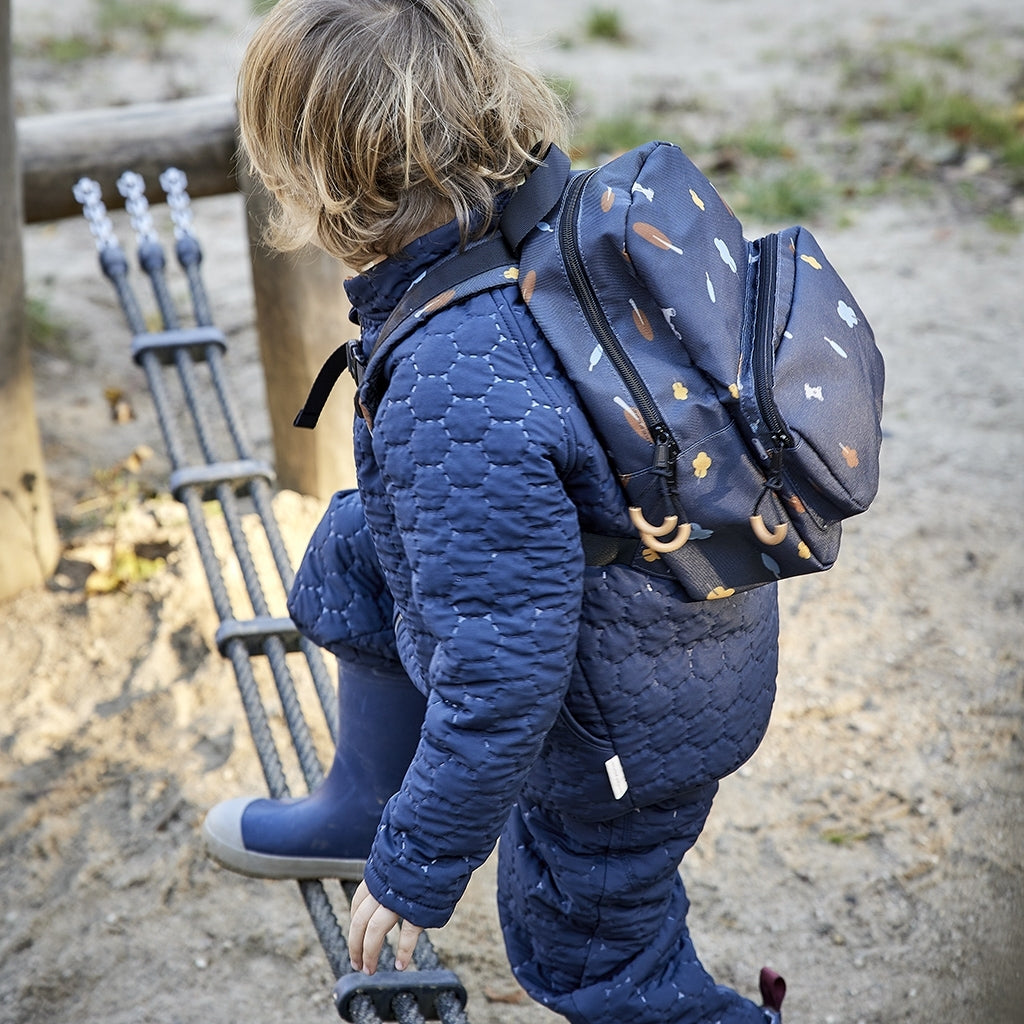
356, 364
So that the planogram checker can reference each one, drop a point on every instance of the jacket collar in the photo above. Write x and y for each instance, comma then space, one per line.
376, 292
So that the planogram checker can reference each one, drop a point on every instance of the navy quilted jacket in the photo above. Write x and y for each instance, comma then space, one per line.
476, 481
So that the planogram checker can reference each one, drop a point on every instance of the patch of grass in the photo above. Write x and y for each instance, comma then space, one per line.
72, 49
905, 96
904, 183
797, 194
1013, 150
952, 52
605, 24
45, 331
1004, 223
262, 6
844, 837
968, 120
887, 58
762, 142
924, 82
152, 19
608, 137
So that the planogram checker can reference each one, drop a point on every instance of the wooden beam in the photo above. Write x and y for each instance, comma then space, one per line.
196, 135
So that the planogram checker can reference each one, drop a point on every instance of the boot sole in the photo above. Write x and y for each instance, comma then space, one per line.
267, 865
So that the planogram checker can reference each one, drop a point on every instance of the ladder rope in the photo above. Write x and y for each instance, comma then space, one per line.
413, 997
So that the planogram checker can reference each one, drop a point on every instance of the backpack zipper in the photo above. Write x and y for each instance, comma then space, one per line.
763, 350
666, 449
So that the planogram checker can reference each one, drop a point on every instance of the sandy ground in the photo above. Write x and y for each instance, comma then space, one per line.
871, 850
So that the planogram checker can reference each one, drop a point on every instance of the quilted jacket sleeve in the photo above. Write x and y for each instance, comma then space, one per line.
471, 454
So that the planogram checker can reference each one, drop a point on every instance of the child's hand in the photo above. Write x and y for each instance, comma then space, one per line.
370, 925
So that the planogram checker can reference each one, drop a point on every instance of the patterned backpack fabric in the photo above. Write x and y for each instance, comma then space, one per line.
735, 384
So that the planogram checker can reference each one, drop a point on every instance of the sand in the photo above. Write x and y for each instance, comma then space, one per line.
871, 850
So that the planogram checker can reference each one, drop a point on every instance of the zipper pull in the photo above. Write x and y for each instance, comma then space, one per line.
782, 439
773, 481
665, 454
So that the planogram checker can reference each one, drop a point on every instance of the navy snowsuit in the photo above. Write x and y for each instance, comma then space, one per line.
584, 714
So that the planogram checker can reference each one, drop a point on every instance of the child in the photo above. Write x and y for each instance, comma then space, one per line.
491, 683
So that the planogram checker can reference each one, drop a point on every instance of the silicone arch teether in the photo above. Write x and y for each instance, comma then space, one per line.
649, 533
766, 536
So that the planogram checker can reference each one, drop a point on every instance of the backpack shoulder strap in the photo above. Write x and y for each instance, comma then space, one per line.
446, 282
532, 202
536, 197
344, 357
488, 264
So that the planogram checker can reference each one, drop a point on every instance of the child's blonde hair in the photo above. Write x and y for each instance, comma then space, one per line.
371, 121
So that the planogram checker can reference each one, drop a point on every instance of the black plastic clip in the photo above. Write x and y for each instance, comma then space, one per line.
238, 473
356, 362
254, 632
165, 344
423, 986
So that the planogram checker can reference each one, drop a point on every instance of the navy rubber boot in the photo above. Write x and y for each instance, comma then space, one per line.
328, 833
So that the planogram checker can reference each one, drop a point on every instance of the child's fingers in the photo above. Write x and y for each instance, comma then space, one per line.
381, 922
362, 907
406, 944
369, 926
358, 896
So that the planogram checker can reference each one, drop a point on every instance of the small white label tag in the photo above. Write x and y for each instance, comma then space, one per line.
616, 776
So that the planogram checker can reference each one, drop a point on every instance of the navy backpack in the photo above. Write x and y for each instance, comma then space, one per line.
734, 384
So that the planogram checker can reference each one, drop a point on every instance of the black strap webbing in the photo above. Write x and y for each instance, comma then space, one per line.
337, 363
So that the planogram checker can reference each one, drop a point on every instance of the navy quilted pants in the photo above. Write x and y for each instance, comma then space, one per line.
594, 916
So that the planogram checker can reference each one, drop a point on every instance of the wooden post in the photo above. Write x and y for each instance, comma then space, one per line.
302, 316
29, 546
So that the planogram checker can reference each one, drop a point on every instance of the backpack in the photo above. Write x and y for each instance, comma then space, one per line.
735, 385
